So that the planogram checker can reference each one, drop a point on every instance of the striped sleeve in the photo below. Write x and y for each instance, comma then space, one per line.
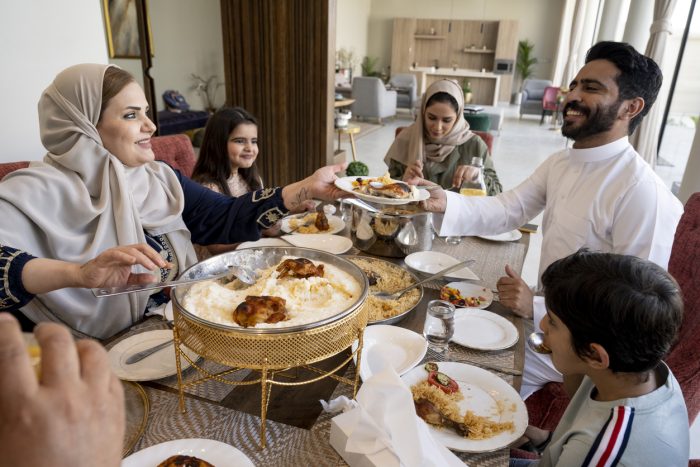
612, 439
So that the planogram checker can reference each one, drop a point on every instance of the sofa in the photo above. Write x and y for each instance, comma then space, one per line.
406, 87
372, 99
176, 150
533, 92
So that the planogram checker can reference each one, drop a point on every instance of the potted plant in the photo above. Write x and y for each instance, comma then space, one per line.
207, 89
346, 61
369, 66
467, 89
524, 65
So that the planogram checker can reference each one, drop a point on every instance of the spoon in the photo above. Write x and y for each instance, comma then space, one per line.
399, 293
536, 342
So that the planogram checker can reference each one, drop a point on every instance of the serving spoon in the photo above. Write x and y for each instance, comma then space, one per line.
536, 342
399, 293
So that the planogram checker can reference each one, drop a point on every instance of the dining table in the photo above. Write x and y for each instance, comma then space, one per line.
297, 432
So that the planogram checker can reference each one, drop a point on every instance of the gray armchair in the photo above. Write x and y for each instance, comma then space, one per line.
372, 100
405, 85
533, 91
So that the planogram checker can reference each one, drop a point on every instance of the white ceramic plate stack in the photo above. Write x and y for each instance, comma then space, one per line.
430, 262
401, 348
486, 395
334, 244
215, 452
483, 330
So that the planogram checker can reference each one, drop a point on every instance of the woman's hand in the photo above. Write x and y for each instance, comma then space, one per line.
321, 185
413, 171
109, 269
464, 173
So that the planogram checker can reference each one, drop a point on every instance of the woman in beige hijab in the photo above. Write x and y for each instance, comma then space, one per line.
99, 187
439, 146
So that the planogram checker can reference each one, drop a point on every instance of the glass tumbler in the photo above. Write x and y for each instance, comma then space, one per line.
439, 324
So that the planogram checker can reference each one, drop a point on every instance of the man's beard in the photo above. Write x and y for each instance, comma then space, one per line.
599, 121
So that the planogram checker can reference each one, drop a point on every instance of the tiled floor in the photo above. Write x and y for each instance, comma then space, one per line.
521, 146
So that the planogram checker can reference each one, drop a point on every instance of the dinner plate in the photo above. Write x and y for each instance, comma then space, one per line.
486, 395
334, 244
335, 223
402, 348
511, 236
136, 408
467, 290
159, 365
265, 241
215, 452
483, 330
430, 262
345, 184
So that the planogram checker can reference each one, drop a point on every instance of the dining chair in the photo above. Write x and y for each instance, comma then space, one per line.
546, 406
549, 102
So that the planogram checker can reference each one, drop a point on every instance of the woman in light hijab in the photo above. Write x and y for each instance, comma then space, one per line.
439, 146
99, 187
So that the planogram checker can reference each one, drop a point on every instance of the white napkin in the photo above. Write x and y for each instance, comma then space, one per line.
385, 417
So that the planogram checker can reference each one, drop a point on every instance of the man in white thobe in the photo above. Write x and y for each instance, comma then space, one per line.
599, 194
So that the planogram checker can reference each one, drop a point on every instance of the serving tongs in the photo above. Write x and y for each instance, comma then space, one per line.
242, 274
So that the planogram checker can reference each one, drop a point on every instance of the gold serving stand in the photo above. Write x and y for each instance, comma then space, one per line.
269, 354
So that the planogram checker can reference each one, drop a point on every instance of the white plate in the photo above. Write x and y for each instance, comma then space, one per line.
345, 184
483, 330
511, 236
159, 365
335, 223
467, 289
485, 394
402, 348
215, 452
431, 262
334, 244
265, 241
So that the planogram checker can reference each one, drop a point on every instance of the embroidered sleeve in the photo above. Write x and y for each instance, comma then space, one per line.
13, 295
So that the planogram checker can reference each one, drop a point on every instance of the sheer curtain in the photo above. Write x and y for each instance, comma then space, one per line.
645, 138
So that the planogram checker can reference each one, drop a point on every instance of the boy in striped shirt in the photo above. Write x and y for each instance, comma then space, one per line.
610, 320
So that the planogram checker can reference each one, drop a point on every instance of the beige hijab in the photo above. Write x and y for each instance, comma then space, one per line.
81, 200
413, 143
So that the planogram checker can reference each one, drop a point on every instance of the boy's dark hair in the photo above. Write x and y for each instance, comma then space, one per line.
630, 306
639, 75
213, 164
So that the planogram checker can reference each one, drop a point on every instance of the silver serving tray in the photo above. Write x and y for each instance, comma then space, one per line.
400, 316
261, 258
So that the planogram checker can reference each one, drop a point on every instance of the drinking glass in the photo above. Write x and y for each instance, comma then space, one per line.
453, 239
439, 324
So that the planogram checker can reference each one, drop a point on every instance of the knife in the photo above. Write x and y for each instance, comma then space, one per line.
137, 357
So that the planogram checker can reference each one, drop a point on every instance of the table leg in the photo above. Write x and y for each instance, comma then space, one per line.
339, 135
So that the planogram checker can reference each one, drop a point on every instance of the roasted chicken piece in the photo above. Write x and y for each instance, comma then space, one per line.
321, 222
399, 190
300, 268
184, 461
430, 413
263, 309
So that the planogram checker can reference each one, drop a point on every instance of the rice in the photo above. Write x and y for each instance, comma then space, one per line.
307, 300
479, 427
305, 229
391, 278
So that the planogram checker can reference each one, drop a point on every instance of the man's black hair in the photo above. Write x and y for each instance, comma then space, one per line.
639, 75
630, 306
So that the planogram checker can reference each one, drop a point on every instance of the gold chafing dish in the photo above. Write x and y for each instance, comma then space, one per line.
268, 350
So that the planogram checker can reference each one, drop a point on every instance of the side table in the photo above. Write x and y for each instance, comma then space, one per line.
349, 130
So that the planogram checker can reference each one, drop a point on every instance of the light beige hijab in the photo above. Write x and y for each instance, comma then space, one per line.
81, 200
413, 143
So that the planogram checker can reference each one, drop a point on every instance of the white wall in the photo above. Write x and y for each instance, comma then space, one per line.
538, 21
39, 38
352, 26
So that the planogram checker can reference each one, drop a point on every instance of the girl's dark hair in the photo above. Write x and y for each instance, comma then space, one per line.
630, 306
445, 98
639, 75
114, 80
213, 164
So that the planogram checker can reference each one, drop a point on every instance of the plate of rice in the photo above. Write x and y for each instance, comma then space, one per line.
384, 276
493, 411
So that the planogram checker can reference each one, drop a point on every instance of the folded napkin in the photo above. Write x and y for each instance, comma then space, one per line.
384, 417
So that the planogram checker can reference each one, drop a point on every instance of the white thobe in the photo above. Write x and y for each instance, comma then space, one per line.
606, 198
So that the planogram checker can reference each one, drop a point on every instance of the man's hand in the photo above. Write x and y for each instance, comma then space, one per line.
73, 416
464, 173
515, 294
413, 171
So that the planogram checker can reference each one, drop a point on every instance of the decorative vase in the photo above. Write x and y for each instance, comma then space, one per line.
467, 97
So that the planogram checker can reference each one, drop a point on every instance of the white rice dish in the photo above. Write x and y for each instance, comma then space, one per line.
308, 300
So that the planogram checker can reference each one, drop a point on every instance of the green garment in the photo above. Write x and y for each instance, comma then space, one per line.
442, 172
